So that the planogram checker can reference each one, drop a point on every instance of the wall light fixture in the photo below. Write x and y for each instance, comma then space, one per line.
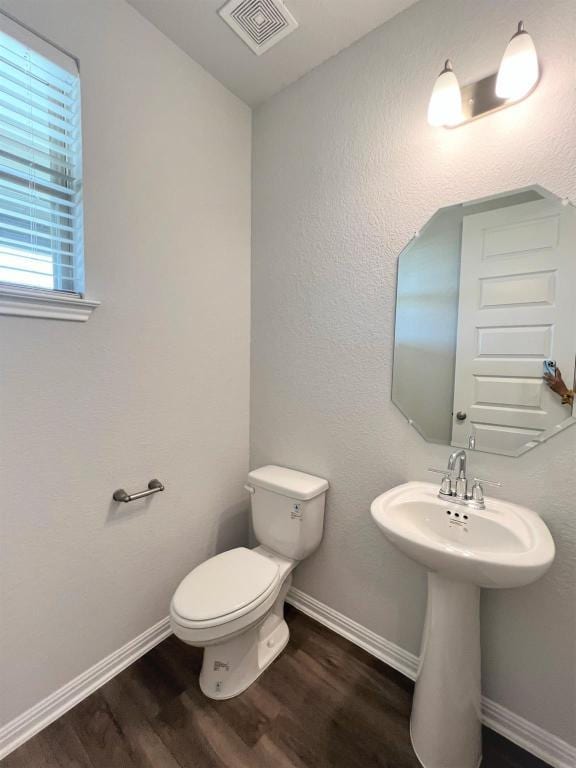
450, 105
445, 107
519, 71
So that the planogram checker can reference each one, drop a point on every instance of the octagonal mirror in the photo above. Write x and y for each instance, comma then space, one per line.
485, 335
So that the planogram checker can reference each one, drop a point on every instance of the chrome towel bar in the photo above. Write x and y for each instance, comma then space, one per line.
154, 486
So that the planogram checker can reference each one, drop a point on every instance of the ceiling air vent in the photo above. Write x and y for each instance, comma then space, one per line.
260, 23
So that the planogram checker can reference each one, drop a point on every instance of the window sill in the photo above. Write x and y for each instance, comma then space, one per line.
31, 302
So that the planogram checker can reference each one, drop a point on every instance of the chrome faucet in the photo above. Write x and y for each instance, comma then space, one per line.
457, 492
459, 456
458, 460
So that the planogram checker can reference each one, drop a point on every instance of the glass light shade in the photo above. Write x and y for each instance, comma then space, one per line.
445, 107
519, 70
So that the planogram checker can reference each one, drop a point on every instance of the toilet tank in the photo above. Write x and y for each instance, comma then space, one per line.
287, 510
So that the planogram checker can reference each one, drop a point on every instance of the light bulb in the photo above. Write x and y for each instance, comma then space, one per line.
519, 70
445, 107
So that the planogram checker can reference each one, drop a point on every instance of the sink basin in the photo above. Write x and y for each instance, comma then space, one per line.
504, 545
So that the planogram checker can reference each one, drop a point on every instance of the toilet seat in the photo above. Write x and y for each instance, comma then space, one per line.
224, 588
273, 571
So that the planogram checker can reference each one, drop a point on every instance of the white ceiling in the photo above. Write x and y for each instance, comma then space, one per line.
326, 27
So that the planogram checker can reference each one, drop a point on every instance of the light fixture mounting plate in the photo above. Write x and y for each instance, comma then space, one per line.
479, 99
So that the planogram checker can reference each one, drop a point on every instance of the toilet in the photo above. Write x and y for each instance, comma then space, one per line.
232, 605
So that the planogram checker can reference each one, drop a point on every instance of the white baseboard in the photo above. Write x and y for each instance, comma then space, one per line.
376, 645
527, 735
26, 725
531, 737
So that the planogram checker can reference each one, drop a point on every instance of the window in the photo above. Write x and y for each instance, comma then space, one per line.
41, 230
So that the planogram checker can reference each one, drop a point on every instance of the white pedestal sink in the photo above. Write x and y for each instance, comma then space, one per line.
505, 545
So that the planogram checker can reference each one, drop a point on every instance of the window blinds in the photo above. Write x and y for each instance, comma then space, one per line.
40, 167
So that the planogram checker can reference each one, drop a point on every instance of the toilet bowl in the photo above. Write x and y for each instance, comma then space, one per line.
232, 605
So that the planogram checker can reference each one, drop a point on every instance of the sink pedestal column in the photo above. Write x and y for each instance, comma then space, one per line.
445, 724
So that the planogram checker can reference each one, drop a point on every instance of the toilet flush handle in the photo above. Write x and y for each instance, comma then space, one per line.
250, 489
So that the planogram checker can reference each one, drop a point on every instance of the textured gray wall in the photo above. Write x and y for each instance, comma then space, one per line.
155, 384
345, 170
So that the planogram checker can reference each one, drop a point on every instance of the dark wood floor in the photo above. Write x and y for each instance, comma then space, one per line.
324, 703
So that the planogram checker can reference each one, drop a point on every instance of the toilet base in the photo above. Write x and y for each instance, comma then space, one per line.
229, 668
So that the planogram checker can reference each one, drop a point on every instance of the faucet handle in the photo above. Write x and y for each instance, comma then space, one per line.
478, 491
446, 484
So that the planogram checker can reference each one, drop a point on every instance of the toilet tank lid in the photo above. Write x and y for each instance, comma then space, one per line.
288, 482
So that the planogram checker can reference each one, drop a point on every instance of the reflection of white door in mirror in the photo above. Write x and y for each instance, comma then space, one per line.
516, 309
